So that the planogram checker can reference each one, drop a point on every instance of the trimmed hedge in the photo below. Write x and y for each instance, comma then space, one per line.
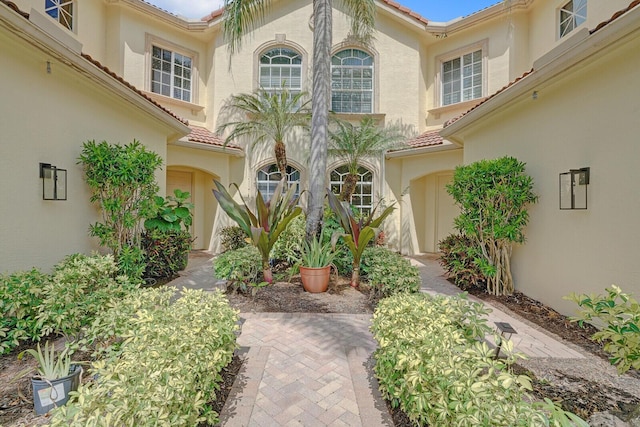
389, 273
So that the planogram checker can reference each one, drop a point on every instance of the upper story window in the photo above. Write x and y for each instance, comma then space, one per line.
281, 67
462, 78
269, 176
352, 82
171, 74
572, 14
362, 197
61, 11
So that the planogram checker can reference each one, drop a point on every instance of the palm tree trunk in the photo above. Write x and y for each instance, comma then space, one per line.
280, 151
322, 22
348, 187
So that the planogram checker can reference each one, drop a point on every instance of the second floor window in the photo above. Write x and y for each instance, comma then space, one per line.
352, 82
171, 74
572, 14
281, 67
462, 78
61, 11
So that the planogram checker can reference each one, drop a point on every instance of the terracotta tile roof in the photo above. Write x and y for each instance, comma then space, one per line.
615, 16
205, 136
430, 138
133, 88
217, 13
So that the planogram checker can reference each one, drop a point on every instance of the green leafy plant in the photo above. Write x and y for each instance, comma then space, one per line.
267, 223
493, 196
232, 238
618, 314
388, 273
240, 267
356, 233
458, 257
289, 246
167, 367
21, 294
51, 366
166, 252
317, 254
79, 288
432, 362
122, 182
172, 213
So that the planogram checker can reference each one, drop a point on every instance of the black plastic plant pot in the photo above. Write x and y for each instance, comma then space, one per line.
51, 394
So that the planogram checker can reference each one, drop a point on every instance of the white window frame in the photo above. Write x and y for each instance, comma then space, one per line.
153, 41
272, 174
351, 67
63, 12
567, 14
359, 194
483, 47
271, 88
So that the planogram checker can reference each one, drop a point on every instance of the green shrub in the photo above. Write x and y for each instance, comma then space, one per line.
79, 288
289, 245
168, 365
388, 273
431, 361
458, 258
233, 237
166, 251
619, 313
240, 267
20, 297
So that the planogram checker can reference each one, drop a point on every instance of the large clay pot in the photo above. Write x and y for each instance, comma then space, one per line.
315, 279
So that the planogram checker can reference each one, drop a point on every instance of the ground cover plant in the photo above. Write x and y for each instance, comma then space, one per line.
432, 363
493, 196
160, 361
388, 272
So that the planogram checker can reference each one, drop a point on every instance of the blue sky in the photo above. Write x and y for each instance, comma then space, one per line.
434, 10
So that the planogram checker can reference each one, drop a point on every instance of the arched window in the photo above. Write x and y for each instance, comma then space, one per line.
352, 82
281, 66
362, 197
269, 176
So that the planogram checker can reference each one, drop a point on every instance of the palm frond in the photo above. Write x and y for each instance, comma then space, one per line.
363, 17
240, 17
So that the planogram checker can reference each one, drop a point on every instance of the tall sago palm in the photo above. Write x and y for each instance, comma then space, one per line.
269, 117
241, 16
352, 144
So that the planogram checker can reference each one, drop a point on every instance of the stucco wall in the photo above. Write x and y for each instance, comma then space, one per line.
587, 118
46, 119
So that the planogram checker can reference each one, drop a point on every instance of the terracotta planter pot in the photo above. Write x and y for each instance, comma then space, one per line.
315, 279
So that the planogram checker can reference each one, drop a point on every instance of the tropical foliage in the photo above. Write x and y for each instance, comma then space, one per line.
357, 233
493, 196
267, 223
353, 144
389, 273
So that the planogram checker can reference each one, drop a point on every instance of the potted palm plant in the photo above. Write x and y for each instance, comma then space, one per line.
57, 376
316, 265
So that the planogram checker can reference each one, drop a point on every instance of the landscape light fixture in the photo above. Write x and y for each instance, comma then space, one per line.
573, 189
54, 182
506, 331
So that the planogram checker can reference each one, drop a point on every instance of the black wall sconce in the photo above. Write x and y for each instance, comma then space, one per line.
54, 182
573, 188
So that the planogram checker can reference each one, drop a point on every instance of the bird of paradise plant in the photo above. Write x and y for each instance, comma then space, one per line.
269, 220
358, 233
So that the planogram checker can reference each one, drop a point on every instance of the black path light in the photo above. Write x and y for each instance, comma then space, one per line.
506, 331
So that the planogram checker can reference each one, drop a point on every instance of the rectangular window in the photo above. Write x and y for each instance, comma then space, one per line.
462, 78
61, 11
171, 74
572, 14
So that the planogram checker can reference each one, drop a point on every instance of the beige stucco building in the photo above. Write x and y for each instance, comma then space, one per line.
122, 69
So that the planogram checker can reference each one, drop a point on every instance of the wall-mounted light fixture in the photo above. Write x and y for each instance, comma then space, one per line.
54, 182
573, 188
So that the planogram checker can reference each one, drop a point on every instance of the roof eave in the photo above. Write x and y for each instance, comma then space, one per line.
422, 150
555, 62
184, 142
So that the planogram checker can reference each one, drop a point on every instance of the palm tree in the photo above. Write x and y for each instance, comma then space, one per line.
241, 16
269, 116
355, 143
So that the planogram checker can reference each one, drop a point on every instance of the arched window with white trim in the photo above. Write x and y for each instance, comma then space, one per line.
362, 198
280, 67
352, 82
269, 176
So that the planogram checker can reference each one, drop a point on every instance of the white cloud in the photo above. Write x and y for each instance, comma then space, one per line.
194, 9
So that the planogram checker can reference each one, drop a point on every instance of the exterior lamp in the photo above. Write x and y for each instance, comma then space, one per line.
506, 331
573, 189
54, 182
